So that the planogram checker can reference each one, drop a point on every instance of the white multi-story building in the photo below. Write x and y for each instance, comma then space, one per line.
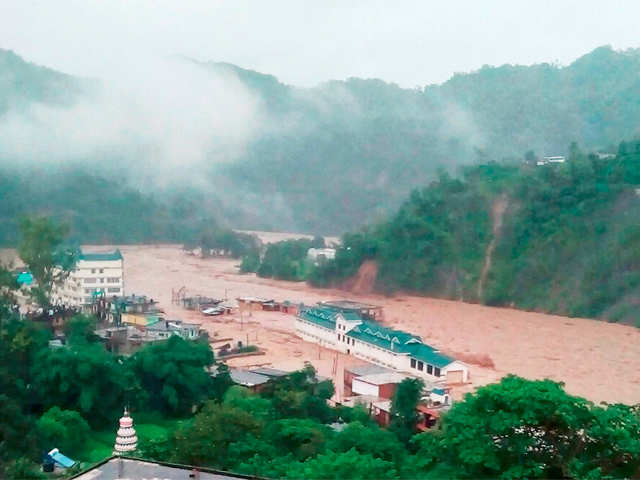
355, 335
94, 274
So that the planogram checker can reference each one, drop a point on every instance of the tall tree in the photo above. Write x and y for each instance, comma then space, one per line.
403, 408
41, 249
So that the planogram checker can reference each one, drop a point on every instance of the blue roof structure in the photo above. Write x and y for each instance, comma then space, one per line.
25, 278
61, 459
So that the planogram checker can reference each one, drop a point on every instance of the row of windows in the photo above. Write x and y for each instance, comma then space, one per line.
347, 340
431, 370
110, 290
95, 280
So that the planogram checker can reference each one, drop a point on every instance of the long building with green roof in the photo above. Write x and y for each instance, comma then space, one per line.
364, 338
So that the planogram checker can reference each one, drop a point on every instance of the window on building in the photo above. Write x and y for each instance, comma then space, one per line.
102, 270
429, 369
89, 280
102, 280
87, 290
93, 270
113, 280
436, 371
413, 363
420, 366
113, 290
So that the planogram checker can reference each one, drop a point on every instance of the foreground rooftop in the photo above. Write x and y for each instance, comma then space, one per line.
128, 468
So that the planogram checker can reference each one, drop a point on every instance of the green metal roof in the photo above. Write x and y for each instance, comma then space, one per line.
427, 354
374, 333
101, 257
319, 316
351, 316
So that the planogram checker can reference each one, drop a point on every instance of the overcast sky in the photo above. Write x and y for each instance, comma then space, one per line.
304, 43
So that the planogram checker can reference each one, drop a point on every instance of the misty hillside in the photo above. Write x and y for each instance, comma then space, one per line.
558, 238
23, 84
331, 158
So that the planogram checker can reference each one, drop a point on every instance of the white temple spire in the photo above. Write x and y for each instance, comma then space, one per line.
126, 438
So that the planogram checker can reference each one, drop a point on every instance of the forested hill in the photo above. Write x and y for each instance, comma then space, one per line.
331, 158
23, 84
561, 238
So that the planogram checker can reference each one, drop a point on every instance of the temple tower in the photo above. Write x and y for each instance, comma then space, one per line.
126, 438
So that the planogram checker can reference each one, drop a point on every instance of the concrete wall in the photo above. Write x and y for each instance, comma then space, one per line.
363, 388
311, 332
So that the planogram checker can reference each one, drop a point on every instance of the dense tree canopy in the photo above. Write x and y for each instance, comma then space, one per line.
173, 373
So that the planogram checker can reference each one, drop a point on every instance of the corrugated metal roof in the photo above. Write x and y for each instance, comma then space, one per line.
247, 378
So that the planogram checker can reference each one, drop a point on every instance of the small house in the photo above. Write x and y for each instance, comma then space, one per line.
381, 385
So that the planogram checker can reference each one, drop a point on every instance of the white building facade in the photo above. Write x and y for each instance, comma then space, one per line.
352, 334
94, 274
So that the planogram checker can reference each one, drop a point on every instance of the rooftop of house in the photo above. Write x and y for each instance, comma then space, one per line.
135, 300
61, 459
24, 278
101, 256
270, 372
247, 378
348, 305
165, 325
382, 378
368, 369
136, 469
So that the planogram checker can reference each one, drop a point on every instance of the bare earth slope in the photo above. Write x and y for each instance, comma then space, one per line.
596, 360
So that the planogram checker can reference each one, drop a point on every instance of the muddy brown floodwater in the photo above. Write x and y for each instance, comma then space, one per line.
596, 360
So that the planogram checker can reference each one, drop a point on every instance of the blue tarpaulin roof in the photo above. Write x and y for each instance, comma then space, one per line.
60, 459
25, 278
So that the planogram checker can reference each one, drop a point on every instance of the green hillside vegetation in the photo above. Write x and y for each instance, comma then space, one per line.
569, 241
348, 152
103, 210
285, 260
331, 158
